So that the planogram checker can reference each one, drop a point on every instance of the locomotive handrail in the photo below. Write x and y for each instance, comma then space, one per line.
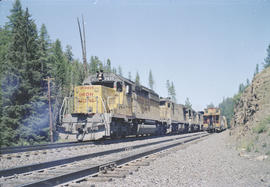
108, 99
62, 113
104, 106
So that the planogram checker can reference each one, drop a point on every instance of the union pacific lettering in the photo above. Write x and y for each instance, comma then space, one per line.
85, 100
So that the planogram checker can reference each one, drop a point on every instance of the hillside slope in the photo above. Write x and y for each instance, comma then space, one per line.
251, 120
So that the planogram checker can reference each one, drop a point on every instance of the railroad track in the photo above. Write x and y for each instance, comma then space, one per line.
56, 149
19, 149
40, 147
61, 171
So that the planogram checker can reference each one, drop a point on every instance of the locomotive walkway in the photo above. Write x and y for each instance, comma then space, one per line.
64, 170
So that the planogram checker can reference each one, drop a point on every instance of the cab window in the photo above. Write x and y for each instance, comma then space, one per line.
162, 103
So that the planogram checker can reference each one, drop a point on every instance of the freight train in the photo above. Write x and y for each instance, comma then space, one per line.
109, 105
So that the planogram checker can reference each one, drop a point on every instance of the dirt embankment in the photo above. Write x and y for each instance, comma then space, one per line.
251, 122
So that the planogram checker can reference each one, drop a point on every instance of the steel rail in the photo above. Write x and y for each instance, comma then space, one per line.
18, 149
44, 165
95, 169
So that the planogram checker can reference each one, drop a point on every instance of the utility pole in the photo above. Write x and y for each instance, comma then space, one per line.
50, 108
83, 44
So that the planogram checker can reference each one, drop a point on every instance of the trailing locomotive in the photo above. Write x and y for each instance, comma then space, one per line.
109, 105
179, 118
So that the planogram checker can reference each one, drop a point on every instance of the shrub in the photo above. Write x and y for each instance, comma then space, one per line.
250, 146
262, 126
257, 138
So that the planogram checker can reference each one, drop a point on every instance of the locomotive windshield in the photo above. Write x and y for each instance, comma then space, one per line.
162, 103
108, 84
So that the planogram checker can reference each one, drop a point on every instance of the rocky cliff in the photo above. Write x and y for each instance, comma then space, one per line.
251, 121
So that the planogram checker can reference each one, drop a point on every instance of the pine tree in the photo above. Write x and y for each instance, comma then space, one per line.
151, 80
69, 70
95, 65
16, 14
168, 86
108, 67
69, 54
173, 92
22, 83
241, 88
129, 75
5, 37
137, 79
114, 70
44, 46
78, 73
226, 108
35, 120
188, 103
59, 64
10, 80
247, 82
266, 63
100, 65
256, 70
120, 71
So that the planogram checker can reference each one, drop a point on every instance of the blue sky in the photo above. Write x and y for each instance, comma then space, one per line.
207, 48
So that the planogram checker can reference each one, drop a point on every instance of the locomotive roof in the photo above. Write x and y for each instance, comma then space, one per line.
168, 99
111, 77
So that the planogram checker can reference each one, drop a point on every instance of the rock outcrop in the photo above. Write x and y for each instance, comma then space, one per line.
252, 114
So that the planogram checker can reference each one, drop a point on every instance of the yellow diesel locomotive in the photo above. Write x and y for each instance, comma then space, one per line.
109, 105
178, 118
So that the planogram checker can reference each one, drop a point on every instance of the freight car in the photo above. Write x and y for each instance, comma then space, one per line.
109, 105
213, 120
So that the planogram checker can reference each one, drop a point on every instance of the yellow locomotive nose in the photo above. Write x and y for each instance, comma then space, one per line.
87, 99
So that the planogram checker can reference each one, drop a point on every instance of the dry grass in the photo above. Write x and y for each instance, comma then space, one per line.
262, 126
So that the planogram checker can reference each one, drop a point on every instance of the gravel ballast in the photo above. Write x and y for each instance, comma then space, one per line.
210, 162
76, 151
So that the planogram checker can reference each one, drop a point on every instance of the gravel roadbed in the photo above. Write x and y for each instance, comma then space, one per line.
210, 162
75, 151
16, 181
